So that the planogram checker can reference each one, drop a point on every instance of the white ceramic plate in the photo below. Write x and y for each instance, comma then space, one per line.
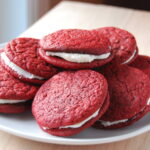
25, 126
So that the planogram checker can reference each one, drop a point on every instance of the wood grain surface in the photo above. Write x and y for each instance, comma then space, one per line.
87, 16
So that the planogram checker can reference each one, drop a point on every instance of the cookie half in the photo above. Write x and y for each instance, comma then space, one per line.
21, 59
122, 42
76, 49
70, 102
143, 63
129, 90
15, 96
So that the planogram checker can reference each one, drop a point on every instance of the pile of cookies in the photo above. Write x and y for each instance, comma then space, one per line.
76, 79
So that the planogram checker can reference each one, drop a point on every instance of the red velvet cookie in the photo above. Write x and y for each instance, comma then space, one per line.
143, 63
70, 102
22, 61
122, 42
129, 90
76, 49
15, 95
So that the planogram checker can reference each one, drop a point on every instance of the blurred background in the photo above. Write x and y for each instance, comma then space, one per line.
17, 15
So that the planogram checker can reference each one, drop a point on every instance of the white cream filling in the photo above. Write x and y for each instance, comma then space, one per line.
77, 125
17, 69
78, 58
148, 102
108, 123
131, 57
4, 101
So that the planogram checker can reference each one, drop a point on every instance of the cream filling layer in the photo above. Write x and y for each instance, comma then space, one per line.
4, 101
78, 58
77, 125
19, 70
131, 57
108, 123
148, 102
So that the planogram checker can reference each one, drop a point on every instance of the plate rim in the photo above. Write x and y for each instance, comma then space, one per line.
77, 141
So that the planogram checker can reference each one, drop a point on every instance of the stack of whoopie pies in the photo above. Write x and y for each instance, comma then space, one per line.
77, 78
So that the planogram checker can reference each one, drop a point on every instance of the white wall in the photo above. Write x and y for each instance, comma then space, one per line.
13, 18
36, 8
17, 15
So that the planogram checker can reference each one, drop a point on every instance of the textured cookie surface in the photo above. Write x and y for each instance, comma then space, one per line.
69, 98
129, 90
12, 88
72, 131
23, 53
143, 63
122, 42
76, 41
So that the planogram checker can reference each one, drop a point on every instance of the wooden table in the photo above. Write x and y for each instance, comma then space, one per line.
87, 16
